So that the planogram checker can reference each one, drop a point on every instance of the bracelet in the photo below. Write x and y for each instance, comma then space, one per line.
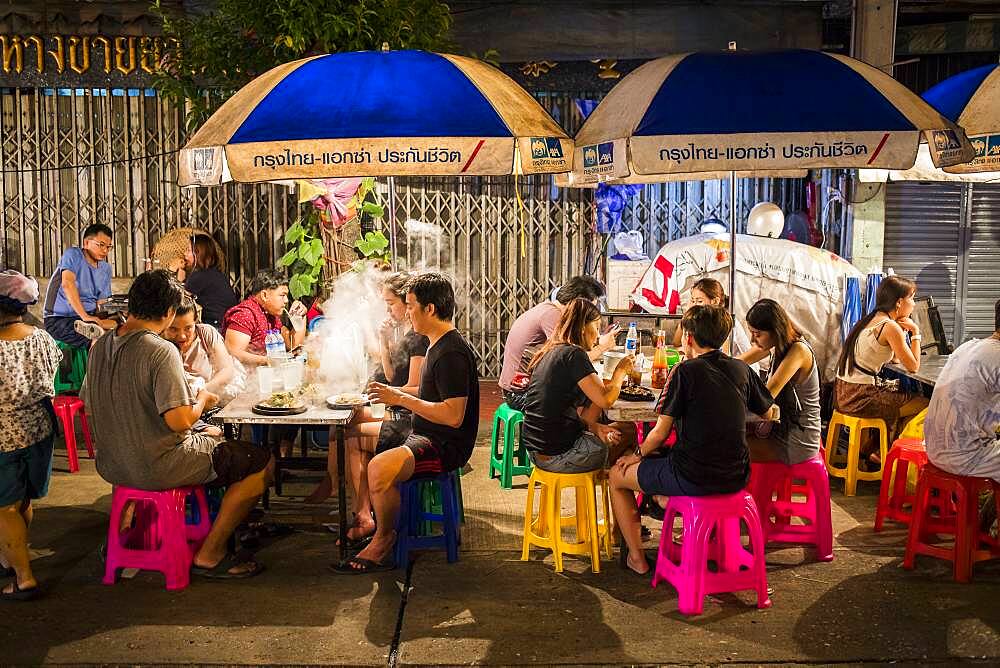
916, 337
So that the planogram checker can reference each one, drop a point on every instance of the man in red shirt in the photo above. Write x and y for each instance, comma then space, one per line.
245, 325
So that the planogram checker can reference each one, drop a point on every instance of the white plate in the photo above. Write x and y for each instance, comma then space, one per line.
346, 399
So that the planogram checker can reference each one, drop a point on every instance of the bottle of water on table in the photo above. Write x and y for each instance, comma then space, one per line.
274, 347
632, 340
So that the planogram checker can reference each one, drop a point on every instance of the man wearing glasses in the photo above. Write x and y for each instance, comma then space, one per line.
80, 284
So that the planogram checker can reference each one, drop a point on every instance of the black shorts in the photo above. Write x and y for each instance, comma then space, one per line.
515, 399
427, 455
658, 474
234, 461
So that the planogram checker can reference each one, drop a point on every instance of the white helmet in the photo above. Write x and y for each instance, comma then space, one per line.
766, 220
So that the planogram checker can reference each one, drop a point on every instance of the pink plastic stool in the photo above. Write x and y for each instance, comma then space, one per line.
66, 407
159, 539
893, 501
711, 527
776, 485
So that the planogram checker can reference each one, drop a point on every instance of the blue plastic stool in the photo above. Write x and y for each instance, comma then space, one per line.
412, 518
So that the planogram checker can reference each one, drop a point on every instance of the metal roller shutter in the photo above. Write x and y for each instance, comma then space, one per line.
982, 285
923, 223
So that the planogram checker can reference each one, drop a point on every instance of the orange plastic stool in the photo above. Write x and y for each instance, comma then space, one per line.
956, 506
892, 498
66, 407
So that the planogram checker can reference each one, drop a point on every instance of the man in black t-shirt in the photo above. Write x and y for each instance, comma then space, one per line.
706, 400
445, 416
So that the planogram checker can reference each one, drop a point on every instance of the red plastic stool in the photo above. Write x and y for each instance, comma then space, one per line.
66, 407
711, 527
956, 506
159, 538
892, 497
775, 487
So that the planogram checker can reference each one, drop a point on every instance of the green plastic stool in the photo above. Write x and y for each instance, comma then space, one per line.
430, 499
502, 461
73, 381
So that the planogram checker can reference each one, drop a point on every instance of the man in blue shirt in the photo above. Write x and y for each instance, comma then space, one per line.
80, 284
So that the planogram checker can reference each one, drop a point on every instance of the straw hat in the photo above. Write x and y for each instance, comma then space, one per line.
175, 244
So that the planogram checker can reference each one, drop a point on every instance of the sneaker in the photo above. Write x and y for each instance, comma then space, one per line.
89, 330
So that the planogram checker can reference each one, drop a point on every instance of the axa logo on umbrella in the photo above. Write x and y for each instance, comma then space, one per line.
546, 152
598, 159
545, 147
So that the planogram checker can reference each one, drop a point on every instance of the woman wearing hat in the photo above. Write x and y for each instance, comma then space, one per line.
28, 361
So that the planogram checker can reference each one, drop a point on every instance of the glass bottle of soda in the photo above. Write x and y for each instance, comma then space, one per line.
660, 365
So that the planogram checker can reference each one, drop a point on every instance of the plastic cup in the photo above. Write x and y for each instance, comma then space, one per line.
265, 379
291, 374
378, 411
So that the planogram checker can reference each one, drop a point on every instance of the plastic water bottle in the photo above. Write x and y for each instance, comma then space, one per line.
274, 346
632, 340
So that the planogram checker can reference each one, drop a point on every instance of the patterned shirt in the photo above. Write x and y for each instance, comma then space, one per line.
27, 371
250, 318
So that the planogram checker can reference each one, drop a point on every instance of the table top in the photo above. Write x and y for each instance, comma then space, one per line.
930, 369
633, 411
238, 411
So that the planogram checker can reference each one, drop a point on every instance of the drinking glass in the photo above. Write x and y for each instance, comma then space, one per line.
378, 411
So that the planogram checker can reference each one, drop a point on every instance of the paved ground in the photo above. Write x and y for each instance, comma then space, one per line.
489, 607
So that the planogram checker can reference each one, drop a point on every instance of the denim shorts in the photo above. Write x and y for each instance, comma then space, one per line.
25, 473
588, 453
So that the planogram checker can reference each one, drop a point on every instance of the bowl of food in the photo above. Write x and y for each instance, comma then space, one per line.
347, 400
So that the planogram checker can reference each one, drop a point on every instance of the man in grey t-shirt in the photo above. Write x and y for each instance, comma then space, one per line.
142, 411
536, 325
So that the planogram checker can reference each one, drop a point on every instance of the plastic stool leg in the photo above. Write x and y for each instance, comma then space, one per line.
495, 457
853, 461
88, 441
528, 513
509, 443
69, 434
449, 509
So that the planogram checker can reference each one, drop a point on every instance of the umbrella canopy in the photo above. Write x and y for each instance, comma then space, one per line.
376, 113
756, 112
971, 99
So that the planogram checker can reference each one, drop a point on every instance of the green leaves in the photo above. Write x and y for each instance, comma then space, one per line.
374, 246
372, 209
295, 232
311, 252
300, 285
289, 258
240, 39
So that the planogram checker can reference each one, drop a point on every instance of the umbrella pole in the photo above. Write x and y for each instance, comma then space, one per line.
393, 264
732, 256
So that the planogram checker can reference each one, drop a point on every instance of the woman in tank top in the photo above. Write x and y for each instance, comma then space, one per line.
793, 382
877, 339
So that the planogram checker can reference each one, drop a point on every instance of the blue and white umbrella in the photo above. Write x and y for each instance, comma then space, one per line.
756, 112
852, 306
372, 114
742, 113
972, 100
871, 287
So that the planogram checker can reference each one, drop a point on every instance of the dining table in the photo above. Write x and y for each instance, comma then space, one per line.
930, 369
318, 413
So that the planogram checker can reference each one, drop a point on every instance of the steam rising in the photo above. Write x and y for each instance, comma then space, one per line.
346, 341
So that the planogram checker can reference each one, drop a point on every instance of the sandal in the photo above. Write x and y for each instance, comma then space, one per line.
366, 566
221, 571
19, 594
623, 562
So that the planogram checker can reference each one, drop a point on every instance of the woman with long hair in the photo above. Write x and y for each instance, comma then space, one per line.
208, 281
877, 339
793, 381
709, 292
565, 397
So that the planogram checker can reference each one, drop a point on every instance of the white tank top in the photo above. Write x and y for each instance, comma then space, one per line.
868, 354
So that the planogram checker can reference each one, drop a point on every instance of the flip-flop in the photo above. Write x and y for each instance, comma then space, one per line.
221, 570
623, 562
20, 594
367, 566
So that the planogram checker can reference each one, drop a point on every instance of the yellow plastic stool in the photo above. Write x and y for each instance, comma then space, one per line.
849, 471
545, 530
